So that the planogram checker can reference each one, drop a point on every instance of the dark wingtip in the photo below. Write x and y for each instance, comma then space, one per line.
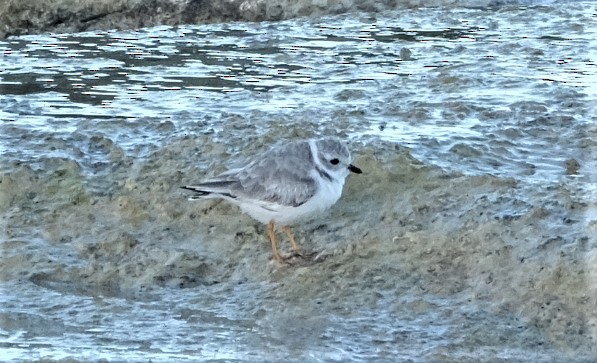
196, 190
202, 193
354, 169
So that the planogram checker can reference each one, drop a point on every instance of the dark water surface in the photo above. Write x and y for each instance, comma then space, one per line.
507, 91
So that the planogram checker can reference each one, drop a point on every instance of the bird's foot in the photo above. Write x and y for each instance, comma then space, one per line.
305, 258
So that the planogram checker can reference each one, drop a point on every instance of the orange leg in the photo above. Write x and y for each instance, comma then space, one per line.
295, 246
271, 232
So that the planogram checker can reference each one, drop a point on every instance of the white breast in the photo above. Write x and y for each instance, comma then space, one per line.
327, 194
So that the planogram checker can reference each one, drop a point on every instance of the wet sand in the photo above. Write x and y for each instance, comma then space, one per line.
502, 268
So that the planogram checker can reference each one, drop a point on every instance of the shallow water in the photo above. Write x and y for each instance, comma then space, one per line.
496, 91
507, 91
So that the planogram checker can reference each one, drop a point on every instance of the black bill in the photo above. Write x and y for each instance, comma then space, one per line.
354, 169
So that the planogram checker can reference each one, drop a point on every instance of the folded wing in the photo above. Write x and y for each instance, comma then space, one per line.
282, 177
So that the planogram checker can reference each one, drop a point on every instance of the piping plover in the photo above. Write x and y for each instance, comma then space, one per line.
287, 184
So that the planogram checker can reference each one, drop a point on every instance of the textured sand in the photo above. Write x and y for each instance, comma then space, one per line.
470, 251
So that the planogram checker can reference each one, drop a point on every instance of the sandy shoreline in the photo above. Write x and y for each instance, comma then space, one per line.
404, 234
19, 17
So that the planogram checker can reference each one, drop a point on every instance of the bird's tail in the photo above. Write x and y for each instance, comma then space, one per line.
199, 193
217, 189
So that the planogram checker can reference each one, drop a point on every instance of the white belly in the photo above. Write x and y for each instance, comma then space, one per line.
327, 195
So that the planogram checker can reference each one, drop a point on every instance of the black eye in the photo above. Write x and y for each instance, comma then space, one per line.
334, 161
